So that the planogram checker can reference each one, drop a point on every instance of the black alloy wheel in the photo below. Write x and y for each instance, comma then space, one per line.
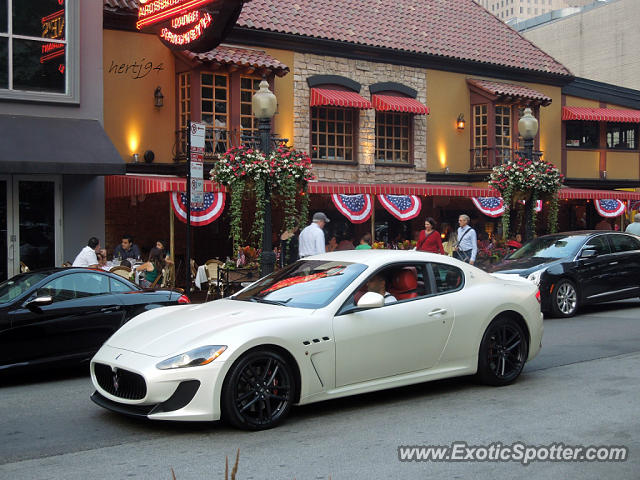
503, 352
564, 299
258, 391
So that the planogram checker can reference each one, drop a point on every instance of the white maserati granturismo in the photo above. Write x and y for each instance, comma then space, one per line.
328, 326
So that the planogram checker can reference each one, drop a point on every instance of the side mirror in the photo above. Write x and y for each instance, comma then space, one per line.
589, 253
40, 301
371, 300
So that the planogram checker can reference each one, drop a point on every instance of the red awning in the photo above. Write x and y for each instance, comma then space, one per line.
127, 185
423, 189
338, 98
398, 104
600, 114
584, 193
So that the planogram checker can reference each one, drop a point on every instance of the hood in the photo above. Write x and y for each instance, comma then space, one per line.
173, 330
524, 266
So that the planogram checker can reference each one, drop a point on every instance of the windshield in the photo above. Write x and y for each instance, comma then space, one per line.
16, 286
557, 246
305, 284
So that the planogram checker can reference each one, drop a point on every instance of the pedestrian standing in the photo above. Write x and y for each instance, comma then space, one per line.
311, 240
635, 226
430, 240
467, 241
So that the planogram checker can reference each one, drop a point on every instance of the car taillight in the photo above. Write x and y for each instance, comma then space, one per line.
538, 296
185, 299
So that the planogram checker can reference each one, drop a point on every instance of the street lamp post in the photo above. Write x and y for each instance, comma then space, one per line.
264, 104
528, 128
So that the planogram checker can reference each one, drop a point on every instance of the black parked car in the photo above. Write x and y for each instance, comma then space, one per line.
577, 268
66, 314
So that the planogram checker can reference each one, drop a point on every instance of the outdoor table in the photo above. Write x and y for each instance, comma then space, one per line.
201, 277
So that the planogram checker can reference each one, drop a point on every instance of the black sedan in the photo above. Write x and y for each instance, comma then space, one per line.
578, 268
66, 314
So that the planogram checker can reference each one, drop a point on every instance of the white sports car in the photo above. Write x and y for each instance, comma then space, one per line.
327, 326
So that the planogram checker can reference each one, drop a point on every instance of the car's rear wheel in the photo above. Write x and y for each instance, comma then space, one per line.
258, 390
503, 352
564, 299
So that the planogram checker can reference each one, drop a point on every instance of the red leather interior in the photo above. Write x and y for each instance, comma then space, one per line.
404, 284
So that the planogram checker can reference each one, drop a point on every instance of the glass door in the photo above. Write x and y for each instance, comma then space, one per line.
33, 223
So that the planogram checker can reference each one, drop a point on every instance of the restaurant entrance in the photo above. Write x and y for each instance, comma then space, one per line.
30, 221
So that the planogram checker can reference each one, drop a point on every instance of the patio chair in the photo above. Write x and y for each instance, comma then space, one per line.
168, 276
122, 271
211, 267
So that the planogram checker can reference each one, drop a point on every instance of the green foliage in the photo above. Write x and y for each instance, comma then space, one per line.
283, 174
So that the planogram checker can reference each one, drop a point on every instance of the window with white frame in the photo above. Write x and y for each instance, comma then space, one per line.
34, 49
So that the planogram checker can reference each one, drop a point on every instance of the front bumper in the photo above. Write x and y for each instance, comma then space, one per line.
191, 394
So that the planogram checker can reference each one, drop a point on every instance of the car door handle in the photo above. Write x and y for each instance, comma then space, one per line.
613, 263
437, 311
110, 309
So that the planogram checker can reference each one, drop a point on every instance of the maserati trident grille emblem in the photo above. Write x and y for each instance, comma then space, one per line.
116, 380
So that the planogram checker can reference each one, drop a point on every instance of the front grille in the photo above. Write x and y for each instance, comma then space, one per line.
120, 383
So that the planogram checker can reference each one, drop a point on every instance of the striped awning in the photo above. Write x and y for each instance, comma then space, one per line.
600, 114
338, 98
423, 189
585, 193
392, 103
128, 185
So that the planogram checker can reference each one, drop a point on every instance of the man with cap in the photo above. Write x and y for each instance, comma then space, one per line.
311, 240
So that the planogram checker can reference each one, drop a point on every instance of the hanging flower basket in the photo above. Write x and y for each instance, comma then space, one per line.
251, 176
528, 180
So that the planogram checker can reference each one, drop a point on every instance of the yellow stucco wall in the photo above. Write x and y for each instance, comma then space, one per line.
134, 65
623, 165
283, 89
581, 102
448, 95
583, 164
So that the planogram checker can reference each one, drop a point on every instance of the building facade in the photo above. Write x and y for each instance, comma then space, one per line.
595, 43
55, 151
380, 110
518, 10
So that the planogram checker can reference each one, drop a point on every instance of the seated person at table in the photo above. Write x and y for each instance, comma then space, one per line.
378, 284
125, 263
152, 268
87, 256
102, 259
127, 249
162, 245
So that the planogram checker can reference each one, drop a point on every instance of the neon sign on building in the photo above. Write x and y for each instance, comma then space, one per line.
197, 25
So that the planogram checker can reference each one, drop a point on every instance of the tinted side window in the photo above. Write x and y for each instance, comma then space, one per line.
448, 278
76, 285
624, 243
599, 244
118, 286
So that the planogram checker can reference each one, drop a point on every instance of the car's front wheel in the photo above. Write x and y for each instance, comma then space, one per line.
258, 391
503, 352
564, 299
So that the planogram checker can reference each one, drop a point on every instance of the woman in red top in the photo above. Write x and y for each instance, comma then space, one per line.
429, 240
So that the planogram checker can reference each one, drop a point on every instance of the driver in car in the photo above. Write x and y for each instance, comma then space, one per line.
378, 284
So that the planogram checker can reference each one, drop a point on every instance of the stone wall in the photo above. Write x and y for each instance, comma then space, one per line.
365, 73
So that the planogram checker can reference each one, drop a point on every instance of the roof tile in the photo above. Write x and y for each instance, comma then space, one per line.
460, 29
509, 89
239, 56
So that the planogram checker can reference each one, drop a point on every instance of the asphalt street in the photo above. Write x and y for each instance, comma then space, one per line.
581, 390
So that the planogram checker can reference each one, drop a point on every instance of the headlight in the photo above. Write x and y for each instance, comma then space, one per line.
193, 358
535, 277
